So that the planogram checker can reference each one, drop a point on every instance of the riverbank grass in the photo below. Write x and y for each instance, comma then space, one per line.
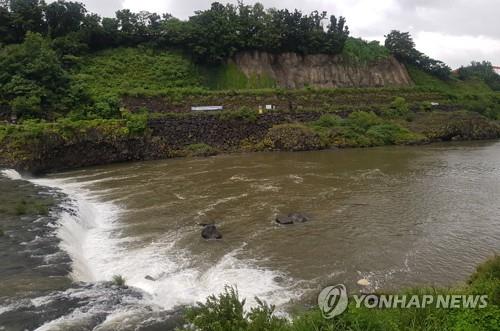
226, 312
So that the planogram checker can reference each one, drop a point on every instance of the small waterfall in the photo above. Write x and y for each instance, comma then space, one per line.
92, 235
11, 174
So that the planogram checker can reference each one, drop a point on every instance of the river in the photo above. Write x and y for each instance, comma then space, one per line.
396, 216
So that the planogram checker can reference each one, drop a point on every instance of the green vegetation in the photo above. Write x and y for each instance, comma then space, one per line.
71, 129
118, 280
453, 86
2, 233
402, 46
357, 50
30, 207
226, 312
58, 60
245, 114
209, 36
229, 76
112, 72
363, 129
33, 82
292, 137
201, 150
482, 71
69, 77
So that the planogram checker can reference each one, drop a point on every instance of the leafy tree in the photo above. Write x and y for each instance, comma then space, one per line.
32, 79
212, 34
481, 70
7, 33
27, 15
64, 17
402, 46
337, 35
127, 21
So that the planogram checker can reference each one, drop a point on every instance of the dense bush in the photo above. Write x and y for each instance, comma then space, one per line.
32, 80
362, 129
227, 312
397, 108
118, 280
245, 114
292, 137
201, 150
358, 50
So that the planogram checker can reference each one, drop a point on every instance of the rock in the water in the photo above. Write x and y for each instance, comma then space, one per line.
292, 219
364, 282
210, 232
279, 279
149, 278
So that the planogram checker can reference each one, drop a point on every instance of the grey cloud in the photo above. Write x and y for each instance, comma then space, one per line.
104, 7
458, 17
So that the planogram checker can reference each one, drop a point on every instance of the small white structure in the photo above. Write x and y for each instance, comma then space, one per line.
434, 104
270, 107
207, 108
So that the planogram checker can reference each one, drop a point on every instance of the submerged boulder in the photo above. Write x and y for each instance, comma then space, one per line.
210, 232
292, 218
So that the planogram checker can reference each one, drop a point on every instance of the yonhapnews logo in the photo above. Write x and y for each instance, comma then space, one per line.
333, 301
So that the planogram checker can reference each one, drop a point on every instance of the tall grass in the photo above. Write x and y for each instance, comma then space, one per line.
227, 312
230, 77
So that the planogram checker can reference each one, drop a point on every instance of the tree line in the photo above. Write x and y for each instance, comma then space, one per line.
402, 46
481, 70
210, 36
40, 43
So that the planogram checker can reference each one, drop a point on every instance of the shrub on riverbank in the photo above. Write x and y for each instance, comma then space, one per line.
201, 150
292, 137
118, 280
454, 126
363, 129
70, 130
226, 312
41, 146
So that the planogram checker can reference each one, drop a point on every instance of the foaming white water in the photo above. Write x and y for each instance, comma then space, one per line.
94, 239
11, 174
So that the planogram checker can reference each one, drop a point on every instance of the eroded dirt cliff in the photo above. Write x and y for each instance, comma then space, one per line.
291, 70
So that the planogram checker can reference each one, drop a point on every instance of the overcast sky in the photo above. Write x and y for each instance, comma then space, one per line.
454, 31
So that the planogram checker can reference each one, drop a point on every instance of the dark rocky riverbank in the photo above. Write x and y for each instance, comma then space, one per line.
35, 285
208, 134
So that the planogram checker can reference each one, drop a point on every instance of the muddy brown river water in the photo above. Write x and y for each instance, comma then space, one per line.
398, 217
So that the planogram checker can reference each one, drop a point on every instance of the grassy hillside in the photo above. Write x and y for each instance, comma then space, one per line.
230, 77
117, 70
454, 85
